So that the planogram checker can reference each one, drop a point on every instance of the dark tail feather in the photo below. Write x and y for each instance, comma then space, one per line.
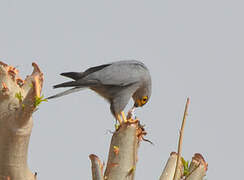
69, 91
72, 75
67, 84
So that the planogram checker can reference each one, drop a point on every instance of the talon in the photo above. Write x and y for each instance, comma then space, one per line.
132, 120
119, 119
116, 126
123, 116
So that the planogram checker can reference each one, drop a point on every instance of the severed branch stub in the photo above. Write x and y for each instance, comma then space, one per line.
169, 169
122, 158
123, 151
198, 168
97, 167
17, 103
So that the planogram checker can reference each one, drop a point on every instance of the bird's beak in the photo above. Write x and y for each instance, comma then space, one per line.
138, 103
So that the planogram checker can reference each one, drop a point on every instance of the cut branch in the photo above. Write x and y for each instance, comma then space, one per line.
97, 168
33, 92
198, 168
169, 169
17, 103
123, 152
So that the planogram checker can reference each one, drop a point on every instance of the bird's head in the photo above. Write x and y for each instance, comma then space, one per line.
141, 96
139, 102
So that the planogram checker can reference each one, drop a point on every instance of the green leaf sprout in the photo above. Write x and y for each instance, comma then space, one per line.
19, 96
39, 100
186, 166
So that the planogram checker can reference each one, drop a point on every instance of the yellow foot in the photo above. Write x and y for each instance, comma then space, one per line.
123, 116
132, 120
119, 119
117, 126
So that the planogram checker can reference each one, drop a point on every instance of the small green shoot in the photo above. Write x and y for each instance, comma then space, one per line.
186, 166
39, 100
19, 96
131, 171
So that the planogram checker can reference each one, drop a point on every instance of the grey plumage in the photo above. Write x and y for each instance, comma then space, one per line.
117, 82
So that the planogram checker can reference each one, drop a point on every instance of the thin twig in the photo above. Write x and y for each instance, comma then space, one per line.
181, 138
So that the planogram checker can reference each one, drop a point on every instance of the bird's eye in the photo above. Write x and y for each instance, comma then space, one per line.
144, 99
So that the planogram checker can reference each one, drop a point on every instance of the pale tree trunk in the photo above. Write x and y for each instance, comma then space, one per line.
122, 156
169, 169
123, 150
198, 168
18, 100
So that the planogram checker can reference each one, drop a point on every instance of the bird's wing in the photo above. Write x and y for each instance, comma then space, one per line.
80, 75
69, 91
119, 74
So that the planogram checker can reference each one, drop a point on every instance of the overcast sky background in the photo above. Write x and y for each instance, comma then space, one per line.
192, 48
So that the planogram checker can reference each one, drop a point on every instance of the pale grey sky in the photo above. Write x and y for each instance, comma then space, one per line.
192, 48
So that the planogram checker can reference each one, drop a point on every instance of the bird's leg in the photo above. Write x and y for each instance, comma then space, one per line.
123, 116
131, 115
119, 119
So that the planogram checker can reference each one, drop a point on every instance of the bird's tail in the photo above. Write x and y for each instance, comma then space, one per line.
75, 89
67, 84
73, 75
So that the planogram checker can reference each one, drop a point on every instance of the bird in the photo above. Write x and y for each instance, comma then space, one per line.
116, 82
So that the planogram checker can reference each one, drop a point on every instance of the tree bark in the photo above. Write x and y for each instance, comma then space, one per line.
122, 156
97, 168
123, 150
198, 168
18, 100
169, 169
